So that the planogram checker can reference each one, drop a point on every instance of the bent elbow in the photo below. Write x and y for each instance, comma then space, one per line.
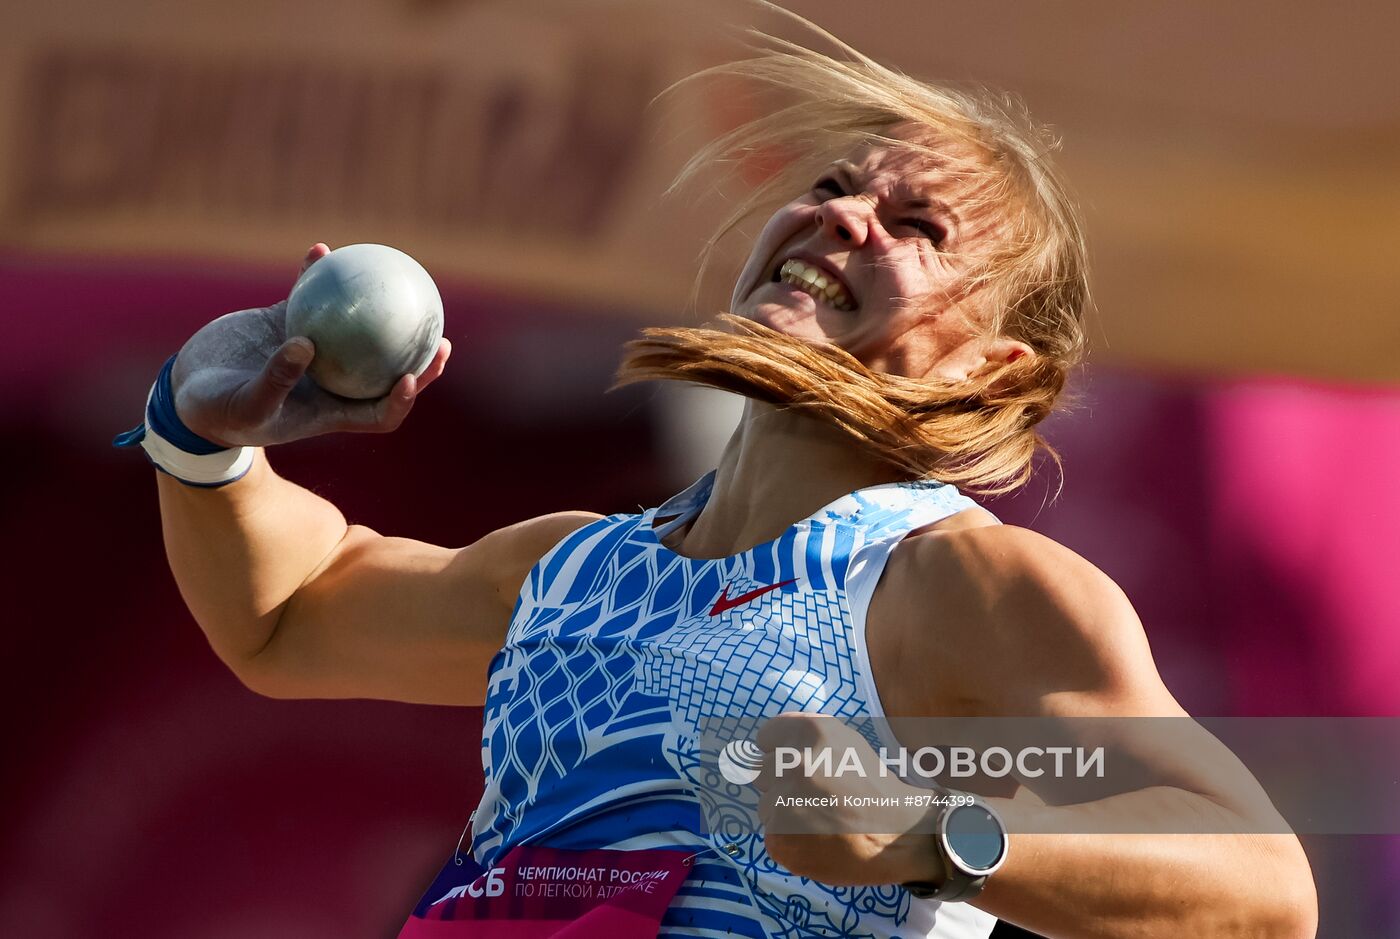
258, 675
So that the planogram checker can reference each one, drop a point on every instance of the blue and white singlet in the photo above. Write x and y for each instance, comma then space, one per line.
614, 656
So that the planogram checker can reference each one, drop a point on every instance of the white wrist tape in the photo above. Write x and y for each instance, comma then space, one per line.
210, 469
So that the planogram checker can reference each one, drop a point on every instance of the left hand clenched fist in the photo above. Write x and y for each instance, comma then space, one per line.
847, 822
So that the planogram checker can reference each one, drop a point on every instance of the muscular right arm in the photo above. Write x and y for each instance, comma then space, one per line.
299, 603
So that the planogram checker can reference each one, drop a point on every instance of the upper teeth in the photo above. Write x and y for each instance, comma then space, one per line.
813, 281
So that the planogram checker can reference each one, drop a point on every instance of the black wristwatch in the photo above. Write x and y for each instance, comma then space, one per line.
972, 843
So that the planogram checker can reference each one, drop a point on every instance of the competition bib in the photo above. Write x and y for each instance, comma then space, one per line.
536, 892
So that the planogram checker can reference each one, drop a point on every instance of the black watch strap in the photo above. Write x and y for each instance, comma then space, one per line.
957, 888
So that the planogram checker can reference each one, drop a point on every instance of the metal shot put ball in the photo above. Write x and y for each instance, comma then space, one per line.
374, 315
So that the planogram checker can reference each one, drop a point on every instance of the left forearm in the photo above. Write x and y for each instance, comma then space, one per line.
1148, 885
1209, 866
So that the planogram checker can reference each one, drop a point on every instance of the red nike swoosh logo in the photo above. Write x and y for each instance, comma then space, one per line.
726, 602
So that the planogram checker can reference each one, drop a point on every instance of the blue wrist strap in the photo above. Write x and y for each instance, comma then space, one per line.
161, 418
175, 439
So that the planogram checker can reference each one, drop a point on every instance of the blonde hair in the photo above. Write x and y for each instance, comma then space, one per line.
1032, 286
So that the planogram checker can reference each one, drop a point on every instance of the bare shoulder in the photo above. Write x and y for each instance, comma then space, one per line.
991, 565
535, 536
1012, 618
507, 554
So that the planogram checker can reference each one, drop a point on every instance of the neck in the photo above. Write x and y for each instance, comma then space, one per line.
778, 467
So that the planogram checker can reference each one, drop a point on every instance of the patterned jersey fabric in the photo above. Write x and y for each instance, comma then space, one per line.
619, 649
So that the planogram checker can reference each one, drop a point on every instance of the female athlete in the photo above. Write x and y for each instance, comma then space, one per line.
903, 323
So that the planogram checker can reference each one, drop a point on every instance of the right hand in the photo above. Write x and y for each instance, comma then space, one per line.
241, 381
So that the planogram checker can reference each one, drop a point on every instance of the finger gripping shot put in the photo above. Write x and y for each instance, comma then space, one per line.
906, 318
373, 314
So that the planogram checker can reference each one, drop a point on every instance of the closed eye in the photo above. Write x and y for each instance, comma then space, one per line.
930, 230
830, 187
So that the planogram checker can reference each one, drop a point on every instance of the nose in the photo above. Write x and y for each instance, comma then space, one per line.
845, 219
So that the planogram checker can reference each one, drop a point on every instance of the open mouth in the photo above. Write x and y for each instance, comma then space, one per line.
818, 283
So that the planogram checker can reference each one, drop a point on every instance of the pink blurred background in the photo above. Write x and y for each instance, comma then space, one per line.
1240, 485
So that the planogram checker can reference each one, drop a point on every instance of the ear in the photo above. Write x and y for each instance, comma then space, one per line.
1000, 352
1003, 351
976, 357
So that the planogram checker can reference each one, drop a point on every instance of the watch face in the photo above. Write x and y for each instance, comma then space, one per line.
975, 838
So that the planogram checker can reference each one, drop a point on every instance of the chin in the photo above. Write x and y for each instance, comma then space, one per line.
797, 323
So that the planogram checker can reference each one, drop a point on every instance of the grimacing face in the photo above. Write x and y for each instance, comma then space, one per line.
872, 258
